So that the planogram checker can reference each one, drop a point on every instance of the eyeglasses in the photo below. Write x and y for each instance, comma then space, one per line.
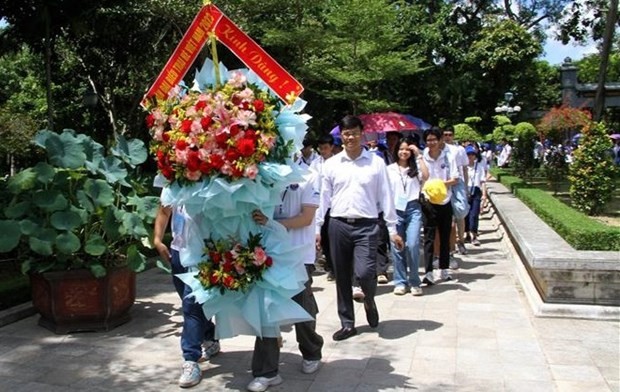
448, 134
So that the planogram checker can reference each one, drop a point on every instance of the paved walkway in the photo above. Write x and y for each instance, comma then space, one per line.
476, 333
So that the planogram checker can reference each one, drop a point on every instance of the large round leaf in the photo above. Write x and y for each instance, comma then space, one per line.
45, 172
17, 210
28, 226
66, 220
42, 242
134, 226
65, 150
68, 243
10, 235
50, 200
85, 201
95, 245
100, 192
113, 170
135, 260
131, 151
22, 181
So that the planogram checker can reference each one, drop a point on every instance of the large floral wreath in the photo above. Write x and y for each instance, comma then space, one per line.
225, 131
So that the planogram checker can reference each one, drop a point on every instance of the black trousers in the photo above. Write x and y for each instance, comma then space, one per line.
438, 217
266, 356
354, 252
383, 247
329, 264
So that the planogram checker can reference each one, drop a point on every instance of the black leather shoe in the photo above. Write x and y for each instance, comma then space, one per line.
372, 314
344, 333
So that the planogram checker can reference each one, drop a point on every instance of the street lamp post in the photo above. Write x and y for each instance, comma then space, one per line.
506, 108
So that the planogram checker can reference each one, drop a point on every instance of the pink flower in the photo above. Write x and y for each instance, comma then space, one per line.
246, 118
251, 171
237, 79
193, 175
239, 268
259, 256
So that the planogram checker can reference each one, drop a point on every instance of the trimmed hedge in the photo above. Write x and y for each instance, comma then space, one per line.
578, 229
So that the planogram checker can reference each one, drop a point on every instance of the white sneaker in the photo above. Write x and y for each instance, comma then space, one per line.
429, 279
417, 291
454, 263
309, 367
400, 290
191, 374
260, 384
445, 275
358, 294
210, 348
435, 262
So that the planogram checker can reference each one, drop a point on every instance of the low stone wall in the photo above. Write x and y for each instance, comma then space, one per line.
561, 274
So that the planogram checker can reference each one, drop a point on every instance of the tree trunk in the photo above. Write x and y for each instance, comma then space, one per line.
48, 71
610, 24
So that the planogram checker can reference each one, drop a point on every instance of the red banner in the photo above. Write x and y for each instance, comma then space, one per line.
248, 51
186, 52
208, 19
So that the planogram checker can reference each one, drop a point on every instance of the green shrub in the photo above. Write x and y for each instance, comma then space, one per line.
580, 231
464, 132
523, 154
592, 172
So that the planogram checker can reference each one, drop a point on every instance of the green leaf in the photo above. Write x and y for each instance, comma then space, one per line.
98, 270
26, 266
22, 181
164, 266
68, 243
43, 241
131, 151
112, 223
113, 170
85, 201
146, 207
10, 235
94, 154
28, 226
42, 136
135, 260
65, 151
133, 225
17, 210
45, 172
95, 245
50, 200
66, 220
100, 192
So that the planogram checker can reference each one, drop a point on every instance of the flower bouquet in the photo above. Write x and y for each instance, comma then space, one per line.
230, 265
226, 149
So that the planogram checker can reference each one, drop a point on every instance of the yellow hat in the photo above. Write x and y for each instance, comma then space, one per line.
435, 190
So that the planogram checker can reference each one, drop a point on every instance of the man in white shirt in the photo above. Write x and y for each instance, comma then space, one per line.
356, 188
504, 157
325, 147
296, 214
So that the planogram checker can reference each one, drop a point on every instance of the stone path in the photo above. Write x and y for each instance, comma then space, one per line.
475, 333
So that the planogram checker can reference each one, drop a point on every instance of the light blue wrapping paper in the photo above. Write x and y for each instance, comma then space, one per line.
219, 209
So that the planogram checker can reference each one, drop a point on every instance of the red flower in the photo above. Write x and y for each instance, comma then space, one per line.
205, 122
246, 147
165, 137
269, 261
150, 120
214, 278
215, 257
221, 139
236, 172
205, 167
181, 144
229, 281
201, 105
259, 105
228, 257
216, 161
236, 100
193, 160
186, 126
232, 155
251, 134
227, 266
234, 130
167, 172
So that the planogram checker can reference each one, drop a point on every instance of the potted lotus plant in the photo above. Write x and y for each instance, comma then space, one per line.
78, 222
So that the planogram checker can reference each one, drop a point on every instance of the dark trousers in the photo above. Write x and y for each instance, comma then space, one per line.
472, 219
196, 327
266, 356
383, 247
329, 264
439, 219
354, 252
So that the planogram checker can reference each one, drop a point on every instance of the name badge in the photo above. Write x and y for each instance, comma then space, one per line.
401, 203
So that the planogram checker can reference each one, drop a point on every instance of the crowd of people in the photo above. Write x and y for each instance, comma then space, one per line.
361, 208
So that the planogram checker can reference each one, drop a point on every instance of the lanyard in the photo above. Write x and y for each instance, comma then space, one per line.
402, 180
282, 201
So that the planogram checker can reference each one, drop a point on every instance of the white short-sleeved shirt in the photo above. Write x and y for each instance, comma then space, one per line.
444, 168
294, 197
477, 174
460, 157
178, 225
402, 184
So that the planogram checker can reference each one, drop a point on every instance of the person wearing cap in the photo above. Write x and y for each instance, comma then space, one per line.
355, 186
438, 218
477, 178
